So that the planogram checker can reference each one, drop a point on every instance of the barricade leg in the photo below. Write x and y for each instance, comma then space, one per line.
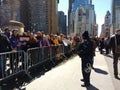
0, 87
2, 66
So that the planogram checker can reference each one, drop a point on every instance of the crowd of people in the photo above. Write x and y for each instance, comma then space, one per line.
13, 41
104, 45
84, 46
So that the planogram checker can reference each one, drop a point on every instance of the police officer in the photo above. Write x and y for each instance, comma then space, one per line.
115, 41
85, 51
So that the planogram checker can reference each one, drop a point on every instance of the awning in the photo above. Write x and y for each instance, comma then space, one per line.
14, 23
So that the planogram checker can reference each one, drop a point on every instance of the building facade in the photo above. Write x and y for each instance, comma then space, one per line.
40, 15
77, 3
102, 30
52, 16
9, 10
25, 14
83, 17
79, 20
69, 16
115, 14
107, 24
62, 23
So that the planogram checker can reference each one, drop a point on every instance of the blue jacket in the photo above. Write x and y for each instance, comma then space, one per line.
15, 42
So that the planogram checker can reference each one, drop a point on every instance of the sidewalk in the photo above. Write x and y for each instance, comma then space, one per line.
67, 77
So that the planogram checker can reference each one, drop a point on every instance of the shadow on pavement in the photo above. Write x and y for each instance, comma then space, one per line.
91, 87
100, 71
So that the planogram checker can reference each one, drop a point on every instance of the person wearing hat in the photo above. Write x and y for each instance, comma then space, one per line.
114, 44
86, 52
7, 32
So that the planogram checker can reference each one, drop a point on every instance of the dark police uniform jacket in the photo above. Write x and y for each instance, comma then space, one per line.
85, 49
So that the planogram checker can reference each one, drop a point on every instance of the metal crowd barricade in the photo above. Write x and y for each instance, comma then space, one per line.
57, 51
36, 56
46, 53
54, 51
12, 63
67, 49
61, 49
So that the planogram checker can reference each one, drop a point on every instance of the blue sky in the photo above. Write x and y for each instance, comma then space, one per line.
63, 6
101, 7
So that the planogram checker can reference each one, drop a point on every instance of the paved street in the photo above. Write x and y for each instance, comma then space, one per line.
67, 76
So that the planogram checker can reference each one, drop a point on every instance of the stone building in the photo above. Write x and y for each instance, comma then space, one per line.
39, 15
9, 10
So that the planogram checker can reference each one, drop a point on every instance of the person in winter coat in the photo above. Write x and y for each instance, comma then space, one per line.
5, 46
15, 41
85, 51
115, 46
